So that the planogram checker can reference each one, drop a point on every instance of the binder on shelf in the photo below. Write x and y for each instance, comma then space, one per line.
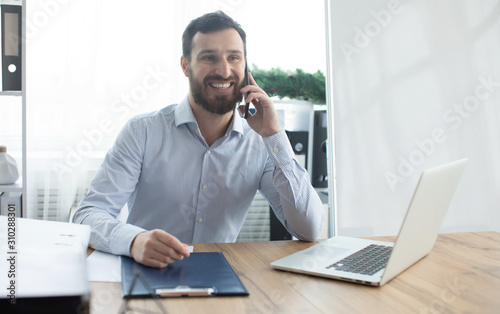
11, 16
11, 203
200, 274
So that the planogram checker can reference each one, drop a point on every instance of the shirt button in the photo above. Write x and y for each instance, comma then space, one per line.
276, 149
208, 152
200, 219
204, 186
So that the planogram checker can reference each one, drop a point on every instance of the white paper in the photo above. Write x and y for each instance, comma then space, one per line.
103, 267
42, 258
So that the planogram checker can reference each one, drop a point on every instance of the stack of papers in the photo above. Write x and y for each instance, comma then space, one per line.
42, 258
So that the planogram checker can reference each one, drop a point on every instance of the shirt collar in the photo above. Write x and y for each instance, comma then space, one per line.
184, 115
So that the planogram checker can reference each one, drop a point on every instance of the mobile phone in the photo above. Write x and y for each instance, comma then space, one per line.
247, 82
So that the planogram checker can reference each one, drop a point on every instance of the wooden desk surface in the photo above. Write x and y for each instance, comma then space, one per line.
460, 275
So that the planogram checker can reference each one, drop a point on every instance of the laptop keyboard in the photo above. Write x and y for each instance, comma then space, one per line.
367, 261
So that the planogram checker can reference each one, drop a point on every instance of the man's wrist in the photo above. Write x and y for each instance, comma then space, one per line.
133, 242
279, 148
268, 133
122, 237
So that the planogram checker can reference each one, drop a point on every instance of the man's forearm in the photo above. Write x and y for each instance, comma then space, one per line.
108, 234
296, 203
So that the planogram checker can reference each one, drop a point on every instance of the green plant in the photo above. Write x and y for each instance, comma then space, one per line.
292, 84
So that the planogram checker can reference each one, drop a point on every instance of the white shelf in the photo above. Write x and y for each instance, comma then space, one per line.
20, 185
16, 187
11, 93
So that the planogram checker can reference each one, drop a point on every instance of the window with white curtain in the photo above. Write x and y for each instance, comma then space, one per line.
92, 65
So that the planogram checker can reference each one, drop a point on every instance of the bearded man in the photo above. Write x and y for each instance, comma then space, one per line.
188, 172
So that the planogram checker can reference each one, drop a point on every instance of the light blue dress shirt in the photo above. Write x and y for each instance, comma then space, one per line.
161, 166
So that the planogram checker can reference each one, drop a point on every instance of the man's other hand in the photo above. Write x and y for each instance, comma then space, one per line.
157, 248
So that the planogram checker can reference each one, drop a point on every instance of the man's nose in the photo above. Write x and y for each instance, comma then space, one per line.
223, 69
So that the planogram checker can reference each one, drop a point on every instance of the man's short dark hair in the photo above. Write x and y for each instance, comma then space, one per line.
209, 23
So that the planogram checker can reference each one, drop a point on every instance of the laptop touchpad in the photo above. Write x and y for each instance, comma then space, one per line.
326, 251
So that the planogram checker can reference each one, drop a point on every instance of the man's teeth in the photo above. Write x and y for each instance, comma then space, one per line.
220, 86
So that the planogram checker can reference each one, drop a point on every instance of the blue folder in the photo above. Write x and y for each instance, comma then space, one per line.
201, 274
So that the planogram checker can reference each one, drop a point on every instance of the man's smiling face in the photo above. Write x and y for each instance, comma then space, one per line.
216, 71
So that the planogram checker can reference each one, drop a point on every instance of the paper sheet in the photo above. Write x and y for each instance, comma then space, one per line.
41, 258
103, 267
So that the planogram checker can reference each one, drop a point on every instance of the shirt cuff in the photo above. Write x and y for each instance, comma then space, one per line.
279, 148
121, 239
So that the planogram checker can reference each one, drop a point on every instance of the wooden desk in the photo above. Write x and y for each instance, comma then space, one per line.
460, 275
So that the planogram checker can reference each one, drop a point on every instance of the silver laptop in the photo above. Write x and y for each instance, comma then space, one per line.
375, 262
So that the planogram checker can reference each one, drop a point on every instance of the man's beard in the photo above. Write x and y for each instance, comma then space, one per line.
222, 104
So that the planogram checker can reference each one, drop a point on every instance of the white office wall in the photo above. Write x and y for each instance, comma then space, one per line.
415, 84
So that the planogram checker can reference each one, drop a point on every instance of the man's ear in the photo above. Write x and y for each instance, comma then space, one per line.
184, 66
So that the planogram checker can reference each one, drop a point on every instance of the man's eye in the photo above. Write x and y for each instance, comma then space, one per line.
208, 58
234, 58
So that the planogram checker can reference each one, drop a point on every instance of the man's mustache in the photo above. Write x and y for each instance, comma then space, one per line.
220, 78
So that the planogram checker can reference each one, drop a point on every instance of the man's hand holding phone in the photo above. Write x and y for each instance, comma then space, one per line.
265, 120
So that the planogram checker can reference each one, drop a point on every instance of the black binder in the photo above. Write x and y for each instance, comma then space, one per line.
201, 274
11, 41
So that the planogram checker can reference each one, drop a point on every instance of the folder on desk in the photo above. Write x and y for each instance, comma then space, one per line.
201, 274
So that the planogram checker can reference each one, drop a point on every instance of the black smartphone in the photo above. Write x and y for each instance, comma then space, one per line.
247, 82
